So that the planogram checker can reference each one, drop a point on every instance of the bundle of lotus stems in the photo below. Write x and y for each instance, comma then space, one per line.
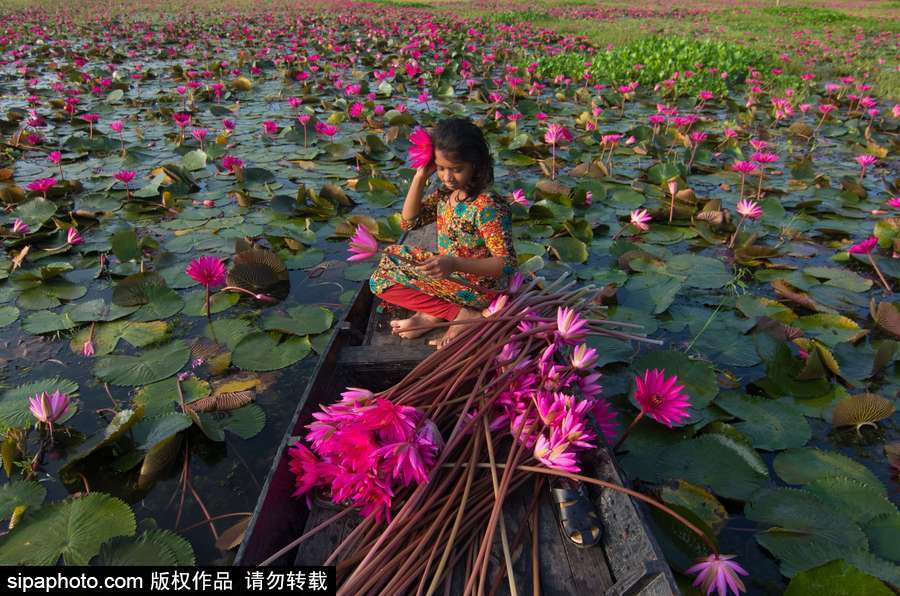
511, 402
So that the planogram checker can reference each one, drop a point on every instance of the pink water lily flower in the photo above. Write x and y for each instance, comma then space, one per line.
518, 196
555, 455
49, 407
421, 151
125, 176
363, 244
556, 133
207, 270
570, 326
232, 163
640, 219
270, 127
87, 348
73, 237
894, 202
749, 209
719, 573
20, 227
661, 398
41, 185
584, 357
865, 247
305, 466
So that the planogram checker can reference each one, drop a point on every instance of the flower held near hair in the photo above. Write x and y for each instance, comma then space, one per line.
421, 151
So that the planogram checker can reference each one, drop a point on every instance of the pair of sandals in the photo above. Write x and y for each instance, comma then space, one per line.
577, 515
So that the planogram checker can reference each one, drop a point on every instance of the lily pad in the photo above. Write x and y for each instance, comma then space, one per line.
730, 469
803, 466
152, 365
67, 529
837, 578
771, 424
270, 351
19, 494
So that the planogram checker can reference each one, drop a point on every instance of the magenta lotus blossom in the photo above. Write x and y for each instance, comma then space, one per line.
329, 130
605, 417
49, 407
743, 167
570, 327
55, 157
584, 357
116, 126
232, 163
555, 455
73, 237
718, 572
764, 157
749, 209
87, 348
661, 398
864, 162
865, 247
518, 196
41, 185
306, 468
421, 150
270, 127
20, 227
894, 202
207, 270
557, 133
366, 449
640, 218
496, 305
125, 176
363, 244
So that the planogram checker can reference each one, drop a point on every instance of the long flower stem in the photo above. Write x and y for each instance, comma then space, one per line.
884, 282
736, 230
628, 430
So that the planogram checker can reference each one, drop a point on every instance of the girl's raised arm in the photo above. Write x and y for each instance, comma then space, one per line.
417, 212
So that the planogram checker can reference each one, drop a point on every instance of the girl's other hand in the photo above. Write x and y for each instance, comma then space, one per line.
441, 266
425, 172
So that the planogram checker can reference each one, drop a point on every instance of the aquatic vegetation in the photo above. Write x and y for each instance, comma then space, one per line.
738, 203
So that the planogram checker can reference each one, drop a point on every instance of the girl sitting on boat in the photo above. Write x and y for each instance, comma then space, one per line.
475, 252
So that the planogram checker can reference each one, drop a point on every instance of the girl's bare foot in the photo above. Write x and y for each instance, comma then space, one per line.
399, 326
465, 314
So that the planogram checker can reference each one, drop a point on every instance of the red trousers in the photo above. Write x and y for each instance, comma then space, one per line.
420, 302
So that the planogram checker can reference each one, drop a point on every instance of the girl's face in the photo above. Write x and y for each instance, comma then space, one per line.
454, 174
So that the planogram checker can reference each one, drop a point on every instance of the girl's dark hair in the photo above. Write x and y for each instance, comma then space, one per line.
463, 141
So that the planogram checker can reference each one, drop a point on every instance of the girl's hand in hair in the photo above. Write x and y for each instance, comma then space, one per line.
425, 172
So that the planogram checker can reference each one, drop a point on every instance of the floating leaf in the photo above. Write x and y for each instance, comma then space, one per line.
234, 535
67, 529
770, 424
699, 501
882, 532
802, 466
263, 351
304, 320
837, 578
155, 547
859, 501
135, 290
158, 459
20, 493
861, 410
120, 423
152, 365
222, 402
801, 512
727, 467
256, 270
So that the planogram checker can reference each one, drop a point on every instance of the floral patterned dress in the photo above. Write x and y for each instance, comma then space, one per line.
475, 228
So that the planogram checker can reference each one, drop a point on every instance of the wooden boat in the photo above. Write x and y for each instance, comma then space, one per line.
363, 353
